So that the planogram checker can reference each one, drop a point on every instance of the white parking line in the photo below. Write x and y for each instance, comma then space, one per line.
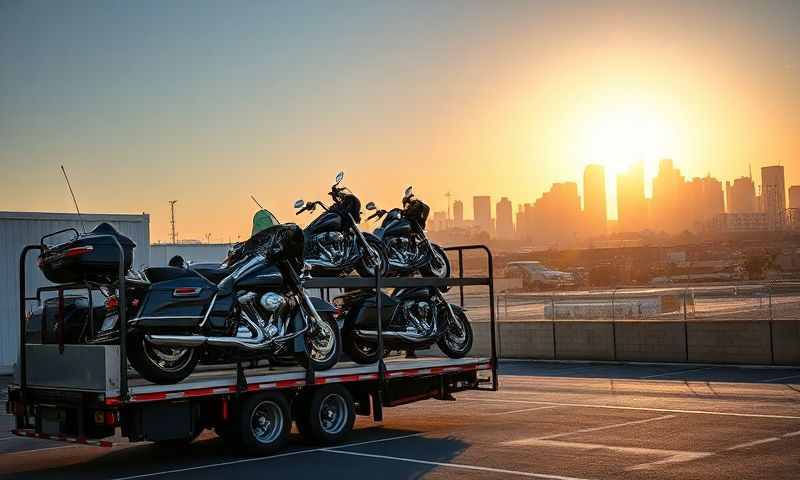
456, 465
677, 372
260, 459
642, 409
543, 407
605, 427
752, 444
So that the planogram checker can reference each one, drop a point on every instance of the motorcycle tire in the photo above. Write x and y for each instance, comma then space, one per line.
428, 271
305, 359
365, 270
465, 345
143, 358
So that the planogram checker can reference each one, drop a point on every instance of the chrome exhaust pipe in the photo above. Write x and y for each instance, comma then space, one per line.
256, 342
409, 337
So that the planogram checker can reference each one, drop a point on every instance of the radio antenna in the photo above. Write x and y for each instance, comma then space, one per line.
75, 202
259, 205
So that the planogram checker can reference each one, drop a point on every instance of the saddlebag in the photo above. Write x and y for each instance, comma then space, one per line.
42, 325
92, 257
177, 303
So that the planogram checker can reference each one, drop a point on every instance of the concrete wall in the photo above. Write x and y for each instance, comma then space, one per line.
734, 342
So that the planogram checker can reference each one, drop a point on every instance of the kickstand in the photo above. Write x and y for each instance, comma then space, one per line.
241, 380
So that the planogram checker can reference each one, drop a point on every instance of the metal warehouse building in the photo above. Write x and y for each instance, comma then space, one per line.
160, 253
18, 229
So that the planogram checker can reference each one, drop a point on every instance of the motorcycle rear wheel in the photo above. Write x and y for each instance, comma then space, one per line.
456, 341
161, 365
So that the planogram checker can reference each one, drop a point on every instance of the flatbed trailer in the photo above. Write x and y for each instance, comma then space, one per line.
86, 393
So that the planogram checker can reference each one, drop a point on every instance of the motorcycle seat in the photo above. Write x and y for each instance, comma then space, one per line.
163, 274
214, 274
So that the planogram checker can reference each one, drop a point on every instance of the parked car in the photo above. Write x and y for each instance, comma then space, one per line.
537, 276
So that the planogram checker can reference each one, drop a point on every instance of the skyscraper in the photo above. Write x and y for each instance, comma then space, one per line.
594, 199
482, 212
631, 203
557, 215
794, 196
505, 221
741, 196
458, 213
669, 199
773, 192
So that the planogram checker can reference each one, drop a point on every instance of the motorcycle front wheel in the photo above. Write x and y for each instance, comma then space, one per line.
162, 365
377, 261
439, 266
324, 347
456, 340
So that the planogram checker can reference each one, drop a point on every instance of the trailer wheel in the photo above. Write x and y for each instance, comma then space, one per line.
327, 415
264, 423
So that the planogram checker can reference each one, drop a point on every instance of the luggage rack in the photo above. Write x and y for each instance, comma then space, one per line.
323, 283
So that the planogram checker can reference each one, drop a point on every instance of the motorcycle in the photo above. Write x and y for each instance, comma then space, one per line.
403, 234
251, 307
334, 244
412, 319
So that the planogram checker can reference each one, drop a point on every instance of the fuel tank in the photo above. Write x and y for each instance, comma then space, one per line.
264, 277
327, 222
396, 228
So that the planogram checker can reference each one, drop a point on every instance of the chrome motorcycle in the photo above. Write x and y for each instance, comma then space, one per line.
334, 244
403, 234
252, 306
412, 319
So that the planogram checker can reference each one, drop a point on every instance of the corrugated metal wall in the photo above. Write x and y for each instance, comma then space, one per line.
160, 253
18, 229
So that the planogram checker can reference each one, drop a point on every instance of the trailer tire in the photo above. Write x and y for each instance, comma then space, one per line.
264, 423
326, 415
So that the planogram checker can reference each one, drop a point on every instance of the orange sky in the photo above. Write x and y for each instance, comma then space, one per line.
145, 104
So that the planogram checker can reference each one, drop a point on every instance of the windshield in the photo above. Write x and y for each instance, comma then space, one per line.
262, 220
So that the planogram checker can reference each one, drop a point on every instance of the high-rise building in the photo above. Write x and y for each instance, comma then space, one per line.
701, 199
594, 199
458, 213
741, 196
794, 196
557, 215
668, 206
439, 223
631, 203
773, 193
482, 213
504, 213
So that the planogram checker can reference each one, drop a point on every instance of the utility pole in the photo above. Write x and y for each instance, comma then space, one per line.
172, 220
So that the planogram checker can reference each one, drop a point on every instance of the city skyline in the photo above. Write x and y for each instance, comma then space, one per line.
677, 204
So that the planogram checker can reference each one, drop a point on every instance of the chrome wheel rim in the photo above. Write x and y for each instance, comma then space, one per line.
168, 359
332, 414
266, 422
375, 261
323, 343
437, 260
456, 335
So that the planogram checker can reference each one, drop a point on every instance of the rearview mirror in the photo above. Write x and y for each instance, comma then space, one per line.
299, 203
408, 192
370, 206
339, 177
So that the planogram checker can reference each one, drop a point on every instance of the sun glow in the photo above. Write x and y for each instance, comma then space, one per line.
618, 137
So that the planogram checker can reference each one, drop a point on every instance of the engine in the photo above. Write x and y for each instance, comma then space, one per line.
402, 250
420, 317
329, 247
268, 311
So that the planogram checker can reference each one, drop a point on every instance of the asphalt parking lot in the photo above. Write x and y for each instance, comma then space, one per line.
549, 421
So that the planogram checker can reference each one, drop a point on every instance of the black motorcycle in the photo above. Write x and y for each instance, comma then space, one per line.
412, 319
251, 307
408, 248
334, 243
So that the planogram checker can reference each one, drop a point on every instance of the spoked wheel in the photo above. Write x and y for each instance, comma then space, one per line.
163, 365
324, 347
264, 423
439, 266
456, 340
373, 260
326, 415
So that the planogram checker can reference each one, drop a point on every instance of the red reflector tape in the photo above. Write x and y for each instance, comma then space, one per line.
62, 438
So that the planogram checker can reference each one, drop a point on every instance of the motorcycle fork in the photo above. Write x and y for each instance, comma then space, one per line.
368, 249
